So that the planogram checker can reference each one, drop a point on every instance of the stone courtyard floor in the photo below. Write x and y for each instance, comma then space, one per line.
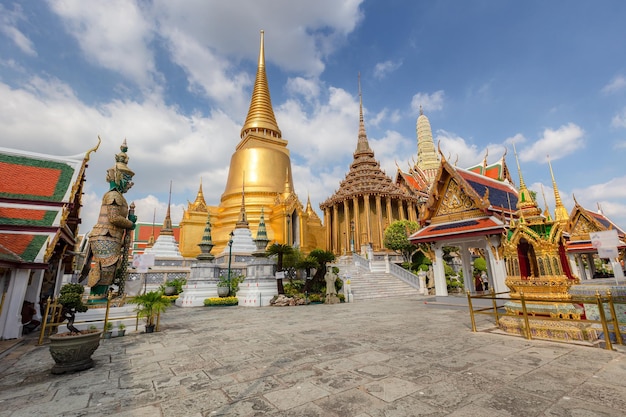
397, 357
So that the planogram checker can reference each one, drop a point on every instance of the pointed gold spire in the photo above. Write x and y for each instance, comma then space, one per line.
199, 203
261, 117
525, 202
362, 144
546, 211
167, 223
560, 212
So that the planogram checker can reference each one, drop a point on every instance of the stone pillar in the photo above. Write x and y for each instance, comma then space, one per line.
12, 309
591, 266
379, 220
496, 267
357, 226
468, 277
346, 217
441, 288
368, 218
335, 247
401, 210
389, 210
328, 231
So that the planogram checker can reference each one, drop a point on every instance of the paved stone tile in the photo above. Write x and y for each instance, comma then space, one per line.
294, 396
390, 389
349, 403
381, 358
338, 382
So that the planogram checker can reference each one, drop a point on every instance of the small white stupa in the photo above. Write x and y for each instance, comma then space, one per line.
166, 245
242, 241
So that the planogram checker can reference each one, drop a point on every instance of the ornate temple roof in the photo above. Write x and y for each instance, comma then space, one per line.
365, 175
497, 171
39, 204
261, 114
199, 203
582, 222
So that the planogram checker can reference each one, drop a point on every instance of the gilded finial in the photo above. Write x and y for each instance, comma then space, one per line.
243, 221
260, 119
167, 223
94, 149
560, 211
362, 144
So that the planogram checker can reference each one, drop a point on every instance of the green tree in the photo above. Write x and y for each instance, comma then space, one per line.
480, 265
279, 250
397, 238
71, 300
322, 257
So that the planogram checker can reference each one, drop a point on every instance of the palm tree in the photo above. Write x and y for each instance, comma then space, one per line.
323, 257
150, 305
307, 264
279, 250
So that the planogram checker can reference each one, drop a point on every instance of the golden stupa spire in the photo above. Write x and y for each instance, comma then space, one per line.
362, 144
525, 202
546, 211
167, 223
199, 203
261, 117
560, 212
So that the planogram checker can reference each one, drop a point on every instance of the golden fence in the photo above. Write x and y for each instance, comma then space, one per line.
609, 326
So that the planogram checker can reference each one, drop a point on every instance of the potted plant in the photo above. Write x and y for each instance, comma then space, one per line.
72, 350
108, 330
149, 306
121, 329
223, 287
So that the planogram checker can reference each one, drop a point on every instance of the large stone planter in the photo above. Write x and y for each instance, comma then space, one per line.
73, 352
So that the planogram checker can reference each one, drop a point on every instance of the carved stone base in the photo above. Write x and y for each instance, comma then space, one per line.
548, 329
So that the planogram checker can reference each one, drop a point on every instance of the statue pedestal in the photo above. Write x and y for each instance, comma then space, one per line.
259, 287
202, 284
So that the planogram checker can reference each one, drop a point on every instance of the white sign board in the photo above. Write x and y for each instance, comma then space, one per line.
604, 239
143, 261
280, 274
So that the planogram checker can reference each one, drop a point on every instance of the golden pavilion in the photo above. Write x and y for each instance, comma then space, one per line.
260, 168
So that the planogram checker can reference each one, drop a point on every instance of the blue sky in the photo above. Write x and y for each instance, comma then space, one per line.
175, 79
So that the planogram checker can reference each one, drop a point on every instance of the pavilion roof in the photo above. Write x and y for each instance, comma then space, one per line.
39, 203
459, 229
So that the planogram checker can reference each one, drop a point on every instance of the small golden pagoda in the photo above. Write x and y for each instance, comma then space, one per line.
366, 203
534, 250
261, 169
538, 268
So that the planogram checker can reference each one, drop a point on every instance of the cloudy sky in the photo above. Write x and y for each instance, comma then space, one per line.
175, 78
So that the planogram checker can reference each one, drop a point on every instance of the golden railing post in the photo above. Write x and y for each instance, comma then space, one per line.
471, 309
525, 313
605, 327
106, 313
44, 323
495, 306
618, 333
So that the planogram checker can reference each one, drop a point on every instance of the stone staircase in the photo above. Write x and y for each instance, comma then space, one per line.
377, 284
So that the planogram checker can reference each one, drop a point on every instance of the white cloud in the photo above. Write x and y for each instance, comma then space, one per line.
114, 34
382, 69
556, 143
308, 88
618, 83
619, 120
429, 102
8, 26
298, 34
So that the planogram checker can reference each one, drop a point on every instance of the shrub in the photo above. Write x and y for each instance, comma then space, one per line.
221, 301
342, 298
315, 298
294, 287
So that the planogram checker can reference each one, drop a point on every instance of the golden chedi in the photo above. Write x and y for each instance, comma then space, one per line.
261, 169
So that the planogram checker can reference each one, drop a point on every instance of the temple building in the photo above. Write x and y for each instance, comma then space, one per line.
366, 202
261, 168
40, 202
419, 177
